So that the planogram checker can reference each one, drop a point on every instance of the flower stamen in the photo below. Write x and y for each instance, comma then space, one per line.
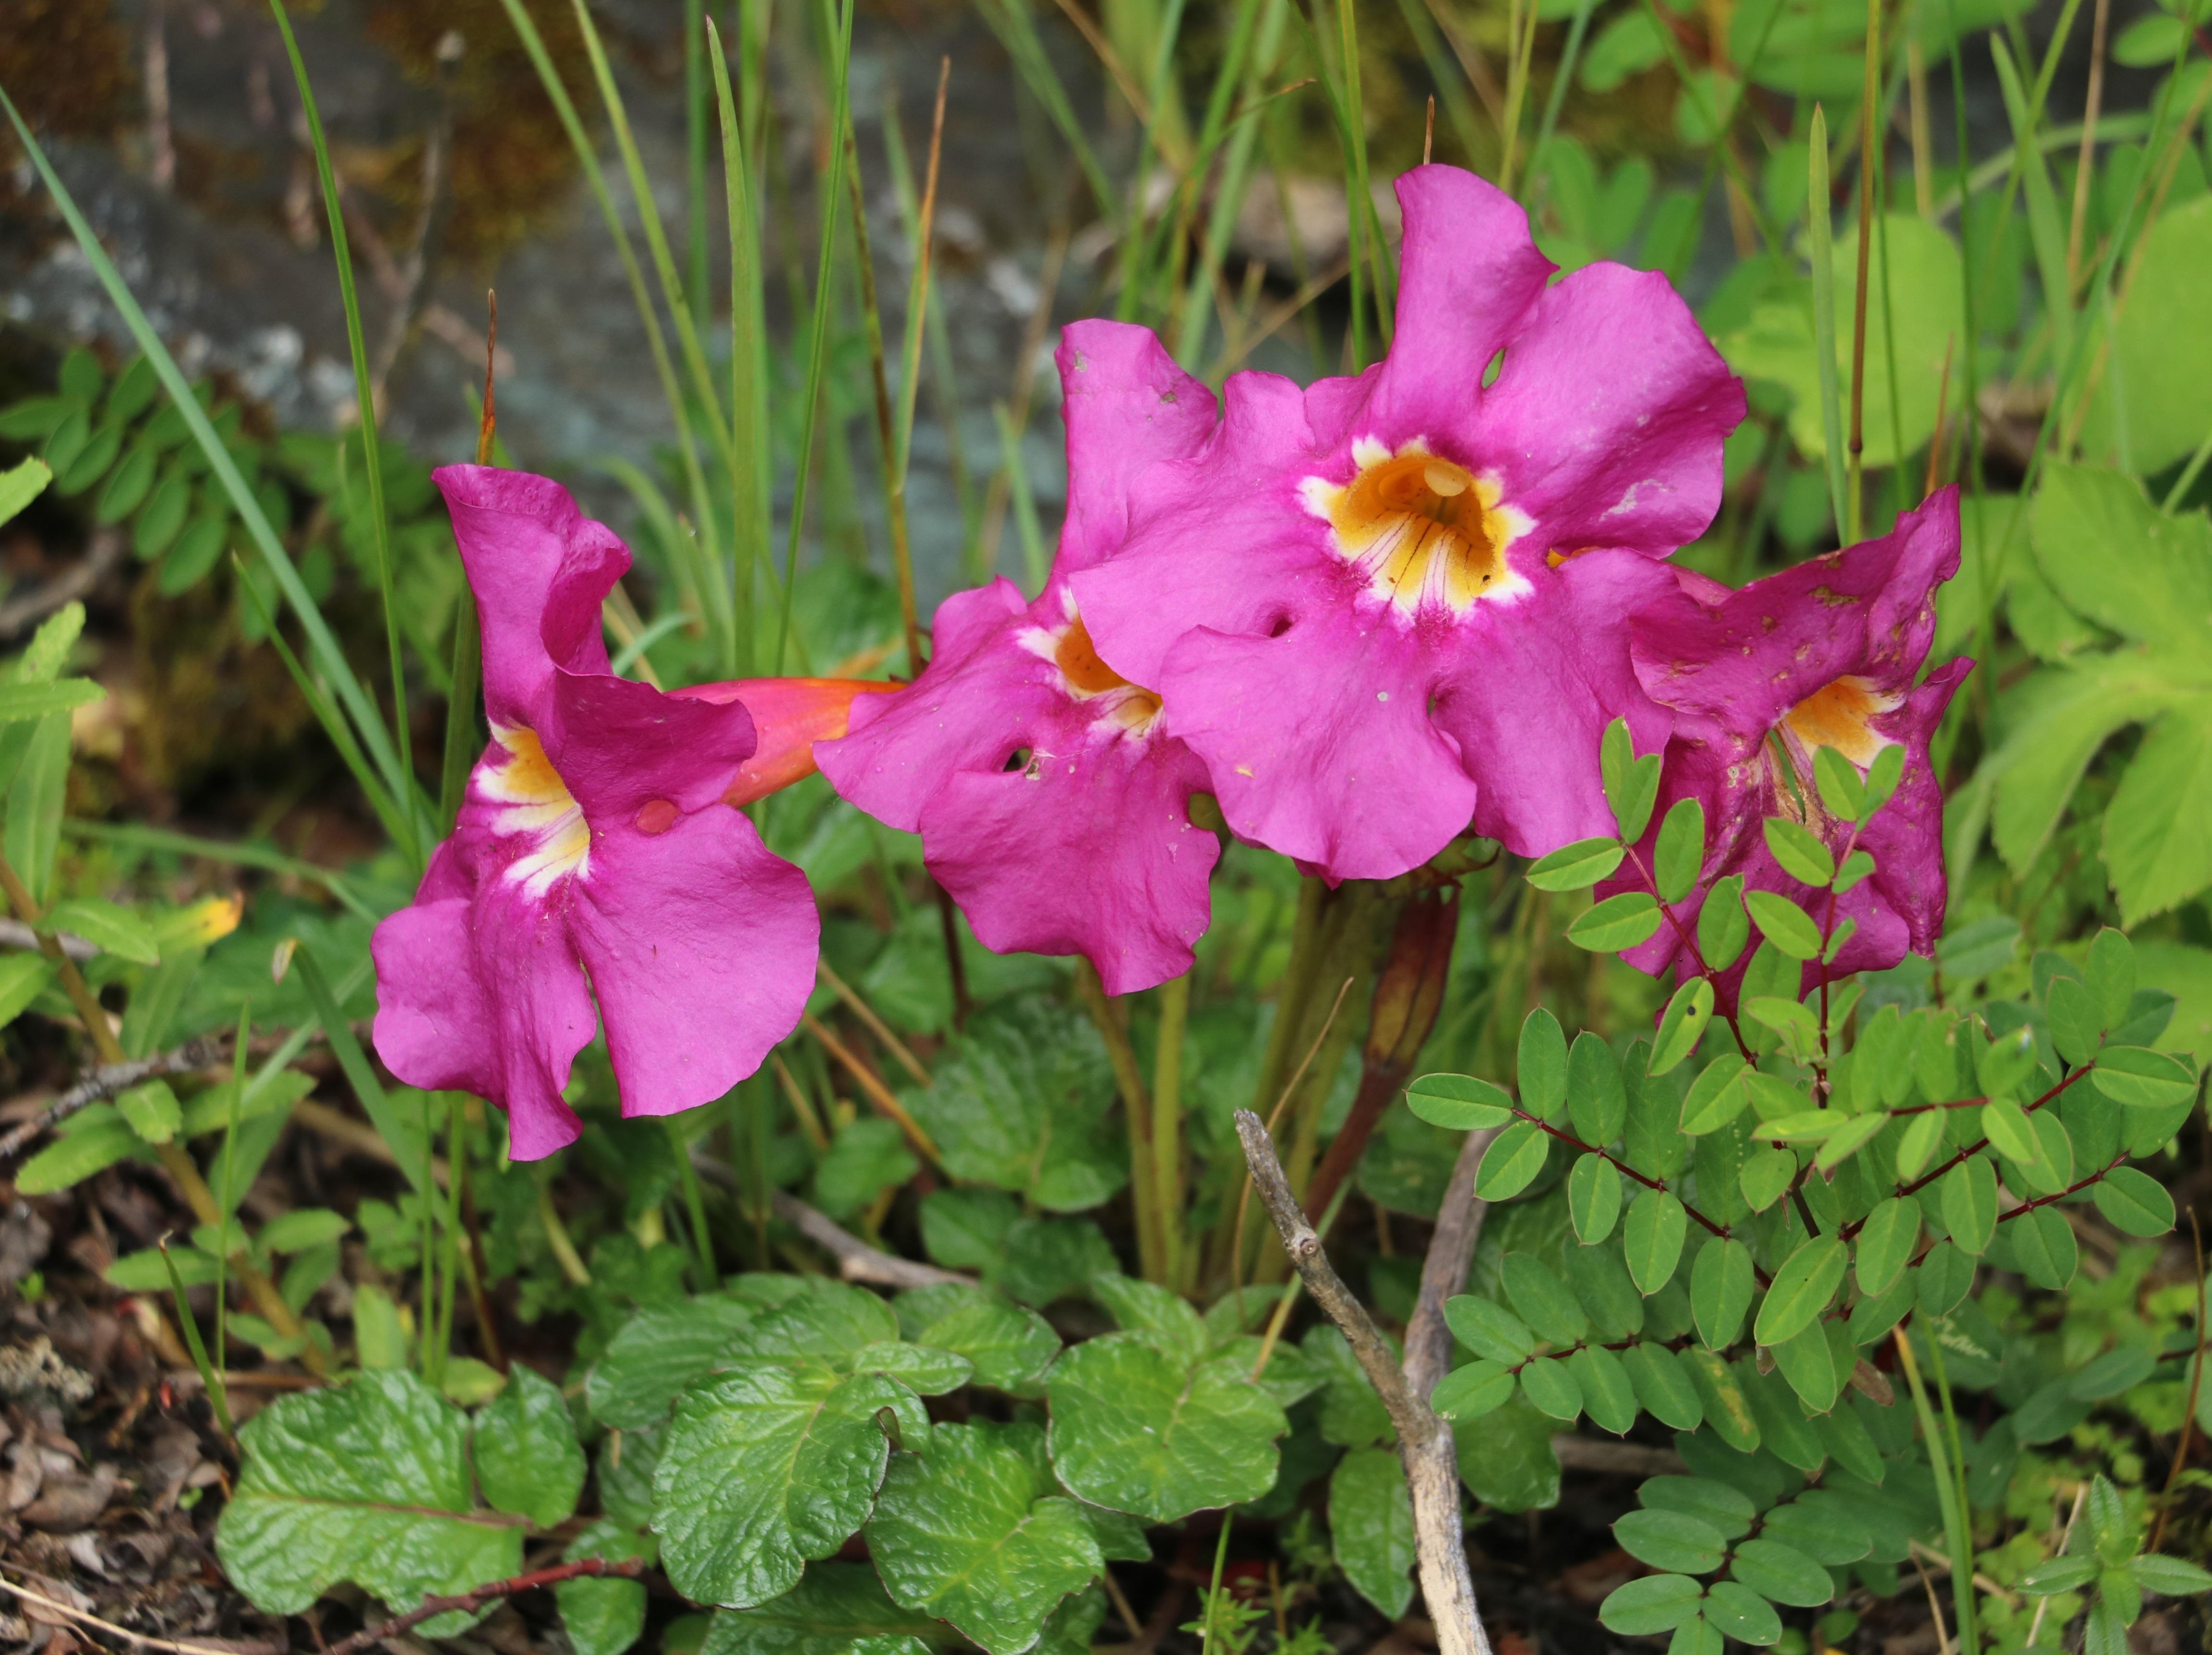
1423, 530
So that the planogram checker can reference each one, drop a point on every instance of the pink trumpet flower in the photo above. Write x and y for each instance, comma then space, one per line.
597, 857
1381, 609
1823, 654
1052, 799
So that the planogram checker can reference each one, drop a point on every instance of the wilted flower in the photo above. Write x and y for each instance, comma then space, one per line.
1379, 609
1823, 654
596, 856
1052, 802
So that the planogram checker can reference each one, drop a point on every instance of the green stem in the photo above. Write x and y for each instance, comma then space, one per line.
1167, 1129
1949, 1496
1824, 313
694, 1206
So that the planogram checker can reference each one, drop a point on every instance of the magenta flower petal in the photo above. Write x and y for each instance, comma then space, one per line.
1823, 654
1609, 414
700, 946
1129, 407
1352, 776
1022, 852
1416, 502
1052, 804
540, 569
593, 835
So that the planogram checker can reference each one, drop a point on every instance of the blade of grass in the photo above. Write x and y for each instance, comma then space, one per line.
664, 365
837, 23
210, 1379
227, 1192
1821, 238
1869, 127
1448, 74
2046, 229
409, 1149
1011, 21
1243, 133
750, 480
402, 785
1560, 81
461, 744
322, 643
1035, 560
695, 155
138, 836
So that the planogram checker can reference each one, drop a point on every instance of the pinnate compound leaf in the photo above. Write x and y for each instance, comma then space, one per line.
1741, 1614
1511, 1162
974, 1532
836, 1607
1683, 1025
1576, 867
1469, 1392
1803, 1287
1658, 1602
1135, 1431
527, 1454
767, 1468
1783, 1573
2133, 1202
1722, 1282
1652, 1239
1370, 1524
1680, 850
1671, 1540
1886, 1243
2142, 1079
1783, 924
1459, 1103
366, 1482
1617, 922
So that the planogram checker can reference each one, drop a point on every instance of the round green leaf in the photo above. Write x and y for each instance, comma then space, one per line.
1920, 1135
1664, 1386
1469, 1392
2140, 1078
1511, 1162
2133, 1203
1741, 1614
1658, 1602
1652, 1239
1722, 927
1609, 1394
1543, 1299
1766, 1173
1597, 1099
1460, 1103
1540, 1064
1969, 1193
1593, 1198
1618, 922
1550, 1386
524, 1450
1576, 867
1137, 1432
1804, 1287
1783, 924
1698, 1636
1671, 1540
1488, 1329
2043, 1242
1783, 1573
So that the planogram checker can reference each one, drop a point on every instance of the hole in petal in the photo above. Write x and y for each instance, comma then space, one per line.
1017, 760
1282, 624
1492, 369
656, 815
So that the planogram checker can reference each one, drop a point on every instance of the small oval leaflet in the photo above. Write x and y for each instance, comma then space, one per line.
1459, 1103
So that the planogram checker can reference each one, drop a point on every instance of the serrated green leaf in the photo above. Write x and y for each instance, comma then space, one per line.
2059, 1574
1671, 1540
1782, 1574
655, 1355
1969, 1197
1783, 924
1658, 1602
366, 1482
1680, 851
1488, 1329
1540, 1065
1722, 1282
1593, 1198
974, 1532
1689, 1010
526, 1451
1652, 1239
23, 977
1146, 1307
1617, 922
2132, 1202
604, 1616
154, 1113
75, 1156
1511, 1162
838, 1609
1469, 1392
1723, 926
1134, 1431
2140, 1078
922, 1369
2169, 1577
769, 1466
1009, 1348
1370, 1525
1803, 1287
1459, 1103
1886, 1242
1576, 867
1800, 852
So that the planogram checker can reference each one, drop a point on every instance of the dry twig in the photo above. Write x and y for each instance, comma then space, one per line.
1425, 1442
109, 1079
85, 1617
856, 1260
